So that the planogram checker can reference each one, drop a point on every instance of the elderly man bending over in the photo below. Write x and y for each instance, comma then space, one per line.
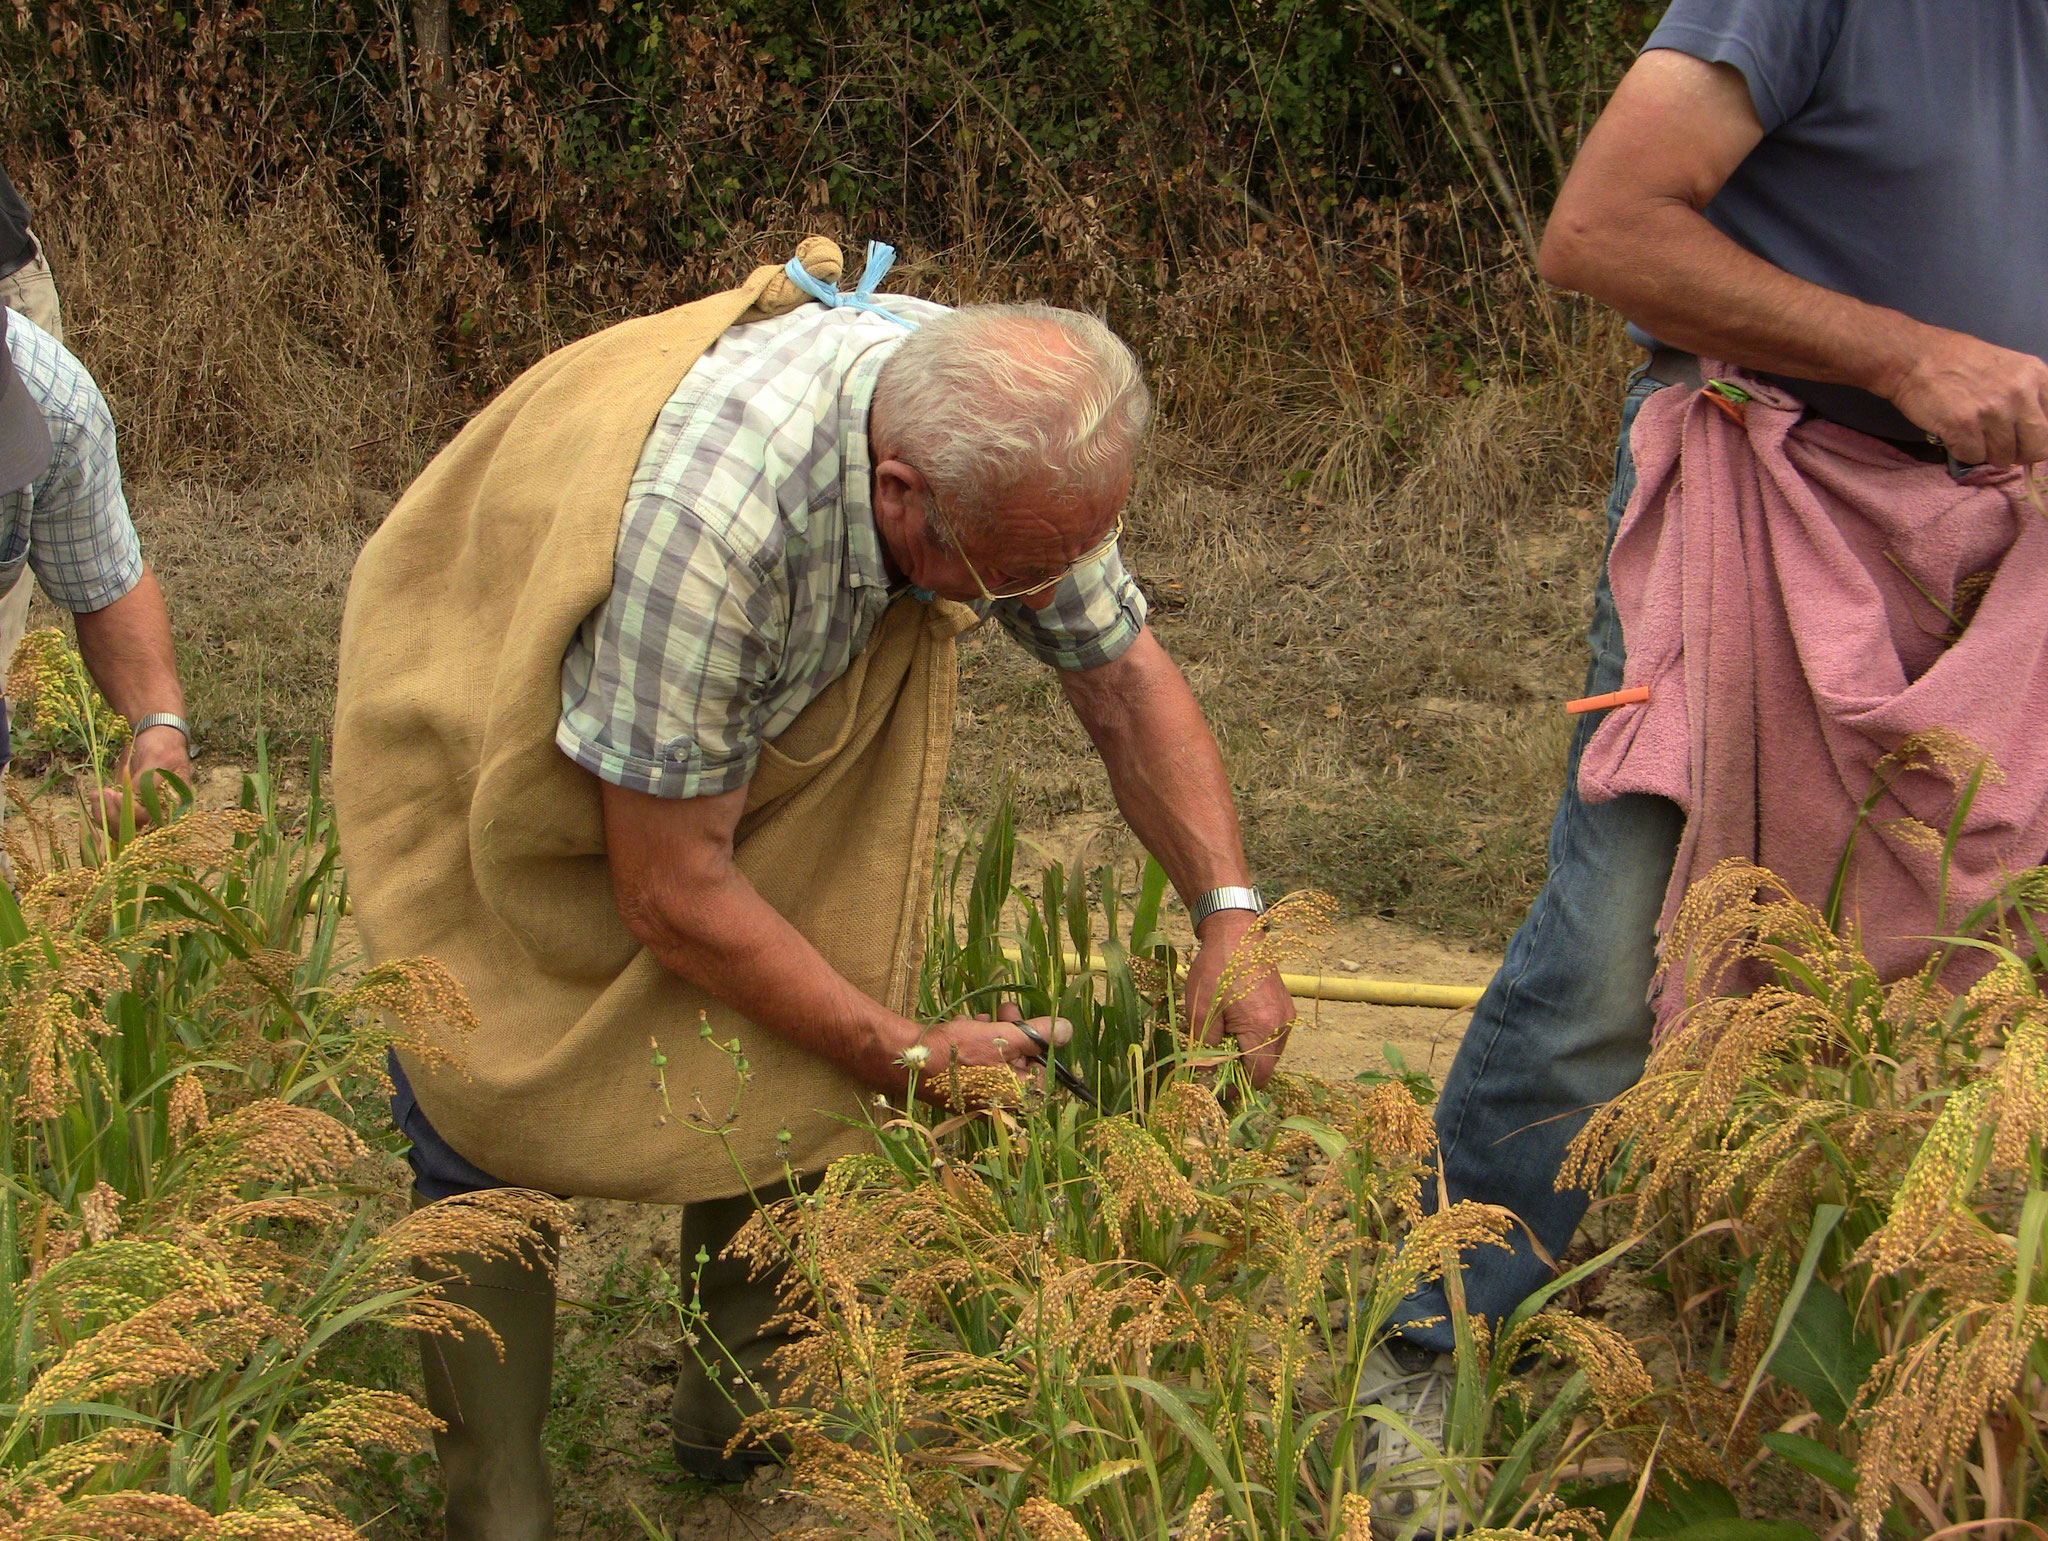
755, 707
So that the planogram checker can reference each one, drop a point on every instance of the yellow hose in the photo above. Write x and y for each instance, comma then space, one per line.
1344, 987
1381, 992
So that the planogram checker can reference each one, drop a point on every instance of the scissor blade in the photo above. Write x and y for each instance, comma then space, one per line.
1072, 1083
1060, 1072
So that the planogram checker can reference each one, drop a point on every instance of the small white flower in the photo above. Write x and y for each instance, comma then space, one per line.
914, 1056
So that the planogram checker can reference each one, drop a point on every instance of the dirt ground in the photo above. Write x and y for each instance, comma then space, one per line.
1338, 1039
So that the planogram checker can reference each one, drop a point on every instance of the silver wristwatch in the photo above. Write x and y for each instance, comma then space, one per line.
1226, 899
142, 725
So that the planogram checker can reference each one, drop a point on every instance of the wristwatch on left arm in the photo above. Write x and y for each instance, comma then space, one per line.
1226, 899
142, 725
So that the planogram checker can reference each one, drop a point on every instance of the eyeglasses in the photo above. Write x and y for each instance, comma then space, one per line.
1094, 553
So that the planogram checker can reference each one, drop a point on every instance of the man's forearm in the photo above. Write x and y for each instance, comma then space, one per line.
1163, 765
1175, 794
701, 917
682, 894
127, 649
721, 934
1669, 270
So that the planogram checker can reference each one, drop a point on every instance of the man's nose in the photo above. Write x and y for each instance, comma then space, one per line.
1041, 599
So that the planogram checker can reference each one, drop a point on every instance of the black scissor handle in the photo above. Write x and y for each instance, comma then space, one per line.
1060, 1072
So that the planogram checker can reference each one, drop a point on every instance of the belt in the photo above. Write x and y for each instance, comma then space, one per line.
1674, 366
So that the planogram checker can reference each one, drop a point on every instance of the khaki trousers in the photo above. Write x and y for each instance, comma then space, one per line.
32, 290
13, 620
13, 627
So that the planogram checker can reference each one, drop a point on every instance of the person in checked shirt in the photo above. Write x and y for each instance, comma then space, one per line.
64, 517
811, 471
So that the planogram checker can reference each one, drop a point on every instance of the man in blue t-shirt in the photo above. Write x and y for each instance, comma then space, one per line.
1849, 198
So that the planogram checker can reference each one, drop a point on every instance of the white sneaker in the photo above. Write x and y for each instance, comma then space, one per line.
1409, 1502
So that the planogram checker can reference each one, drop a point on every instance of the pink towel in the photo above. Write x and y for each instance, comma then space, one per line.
1773, 579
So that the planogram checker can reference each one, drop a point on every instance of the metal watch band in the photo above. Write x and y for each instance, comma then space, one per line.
1227, 899
142, 725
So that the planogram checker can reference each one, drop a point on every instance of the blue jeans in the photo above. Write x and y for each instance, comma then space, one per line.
1565, 1025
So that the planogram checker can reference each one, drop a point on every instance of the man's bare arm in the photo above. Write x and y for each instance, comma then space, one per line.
1174, 793
1163, 765
1628, 230
127, 649
680, 892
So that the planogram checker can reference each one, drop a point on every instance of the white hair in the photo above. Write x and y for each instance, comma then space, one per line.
988, 397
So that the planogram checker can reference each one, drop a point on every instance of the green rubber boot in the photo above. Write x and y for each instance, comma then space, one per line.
708, 1411
493, 1473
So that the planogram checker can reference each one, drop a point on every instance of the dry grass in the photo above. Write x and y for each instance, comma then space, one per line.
272, 385
1374, 578
255, 578
242, 338
258, 579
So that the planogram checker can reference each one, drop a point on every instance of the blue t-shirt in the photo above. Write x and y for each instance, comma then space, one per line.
1904, 160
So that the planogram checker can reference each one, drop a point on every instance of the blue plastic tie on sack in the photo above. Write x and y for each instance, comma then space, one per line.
881, 257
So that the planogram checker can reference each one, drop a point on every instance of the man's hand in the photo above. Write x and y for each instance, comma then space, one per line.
679, 891
1988, 404
155, 750
1256, 1011
983, 1041
1170, 783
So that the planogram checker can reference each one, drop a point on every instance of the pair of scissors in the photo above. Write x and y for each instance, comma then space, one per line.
1060, 1072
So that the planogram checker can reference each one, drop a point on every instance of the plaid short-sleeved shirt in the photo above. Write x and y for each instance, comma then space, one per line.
749, 573
71, 527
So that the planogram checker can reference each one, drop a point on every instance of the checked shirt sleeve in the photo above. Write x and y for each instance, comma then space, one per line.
82, 544
1095, 615
661, 690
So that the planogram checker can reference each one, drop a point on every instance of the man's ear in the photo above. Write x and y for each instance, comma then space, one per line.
899, 496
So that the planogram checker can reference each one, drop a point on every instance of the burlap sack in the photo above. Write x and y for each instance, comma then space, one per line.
470, 837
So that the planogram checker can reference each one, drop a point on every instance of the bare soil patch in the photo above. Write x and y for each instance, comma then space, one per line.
1338, 1039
